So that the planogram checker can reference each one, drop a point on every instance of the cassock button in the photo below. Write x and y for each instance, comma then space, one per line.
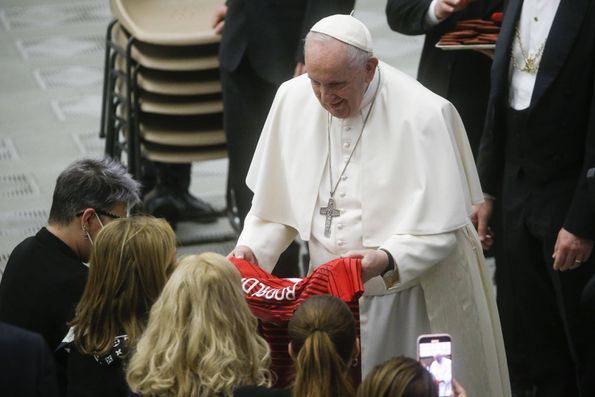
346, 145
347, 128
342, 194
340, 226
343, 177
341, 243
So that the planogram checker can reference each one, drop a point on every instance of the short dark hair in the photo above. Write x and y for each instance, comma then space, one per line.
91, 183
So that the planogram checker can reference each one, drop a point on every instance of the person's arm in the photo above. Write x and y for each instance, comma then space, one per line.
574, 243
416, 17
416, 255
265, 240
410, 256
407, 16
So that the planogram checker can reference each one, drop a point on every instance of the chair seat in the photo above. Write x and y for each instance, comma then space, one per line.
168, 22
182, 156
177, 138
181, 83
172, 58
180, 105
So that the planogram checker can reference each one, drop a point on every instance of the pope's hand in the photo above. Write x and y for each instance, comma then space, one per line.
243, 252
571, 251
219, 18
373, 262
480, 218
445, 8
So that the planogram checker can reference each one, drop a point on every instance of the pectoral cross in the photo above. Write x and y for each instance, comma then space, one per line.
330, 212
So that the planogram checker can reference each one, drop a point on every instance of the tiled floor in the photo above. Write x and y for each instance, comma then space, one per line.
51, 58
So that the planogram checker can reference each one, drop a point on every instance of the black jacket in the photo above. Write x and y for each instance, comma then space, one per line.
462, 77
556, 148
261, 29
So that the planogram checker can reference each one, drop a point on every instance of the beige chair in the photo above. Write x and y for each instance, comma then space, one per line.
161, 80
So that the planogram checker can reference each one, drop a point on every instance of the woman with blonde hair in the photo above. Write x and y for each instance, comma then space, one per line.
201, 340
131, 260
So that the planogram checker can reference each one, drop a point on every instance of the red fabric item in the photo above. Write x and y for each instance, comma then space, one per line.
273, 301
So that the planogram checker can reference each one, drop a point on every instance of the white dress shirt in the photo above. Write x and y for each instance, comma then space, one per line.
533, 27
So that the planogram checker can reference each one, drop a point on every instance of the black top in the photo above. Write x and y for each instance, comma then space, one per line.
41, 286
99, 376
26, 365
261, 391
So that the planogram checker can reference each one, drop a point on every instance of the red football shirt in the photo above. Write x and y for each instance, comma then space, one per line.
273, 300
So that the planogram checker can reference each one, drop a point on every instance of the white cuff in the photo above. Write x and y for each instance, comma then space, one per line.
431, 19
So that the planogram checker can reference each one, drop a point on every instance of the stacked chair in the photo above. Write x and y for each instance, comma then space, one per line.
162, 94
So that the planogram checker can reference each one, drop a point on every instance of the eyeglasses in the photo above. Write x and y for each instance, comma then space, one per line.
104, 213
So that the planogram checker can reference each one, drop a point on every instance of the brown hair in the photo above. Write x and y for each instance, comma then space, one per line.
398, 377
322, 334
130, 263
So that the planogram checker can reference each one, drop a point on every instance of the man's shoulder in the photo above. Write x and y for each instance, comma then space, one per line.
34, 261
24, 255
11, 334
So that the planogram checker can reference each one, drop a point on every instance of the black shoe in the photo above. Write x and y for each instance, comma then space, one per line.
196, 209
173, 207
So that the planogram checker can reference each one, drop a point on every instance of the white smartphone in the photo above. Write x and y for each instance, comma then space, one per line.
434, 352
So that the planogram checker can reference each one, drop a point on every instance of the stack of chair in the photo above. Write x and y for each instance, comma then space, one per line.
162, 93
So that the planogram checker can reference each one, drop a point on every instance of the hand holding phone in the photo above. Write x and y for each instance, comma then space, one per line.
434, 352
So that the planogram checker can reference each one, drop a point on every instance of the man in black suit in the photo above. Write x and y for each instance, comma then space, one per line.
462, 77
261, 47
27, 366
534, 155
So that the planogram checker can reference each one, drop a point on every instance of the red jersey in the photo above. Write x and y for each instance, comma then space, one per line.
273, 301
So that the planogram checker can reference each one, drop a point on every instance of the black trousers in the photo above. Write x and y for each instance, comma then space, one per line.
543, 329
247, 99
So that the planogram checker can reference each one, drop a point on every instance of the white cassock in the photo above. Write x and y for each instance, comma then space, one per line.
408, 188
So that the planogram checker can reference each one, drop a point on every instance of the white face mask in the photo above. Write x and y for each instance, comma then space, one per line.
86, 230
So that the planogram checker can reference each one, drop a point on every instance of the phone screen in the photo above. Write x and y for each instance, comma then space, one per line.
434, 352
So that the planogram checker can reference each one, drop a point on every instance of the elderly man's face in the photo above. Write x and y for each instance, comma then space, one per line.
338, 85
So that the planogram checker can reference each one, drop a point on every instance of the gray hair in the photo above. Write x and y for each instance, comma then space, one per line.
90, 183
356, 57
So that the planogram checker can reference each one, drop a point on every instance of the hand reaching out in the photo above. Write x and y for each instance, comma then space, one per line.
243, 252
445, 8
219, 18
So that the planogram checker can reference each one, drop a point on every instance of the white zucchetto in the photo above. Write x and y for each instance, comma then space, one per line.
347, 29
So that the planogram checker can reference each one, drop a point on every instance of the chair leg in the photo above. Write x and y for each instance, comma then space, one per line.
106, 73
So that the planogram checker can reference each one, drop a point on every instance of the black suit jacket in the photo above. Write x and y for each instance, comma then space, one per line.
26, 364
557, 146
462, 77
270, 33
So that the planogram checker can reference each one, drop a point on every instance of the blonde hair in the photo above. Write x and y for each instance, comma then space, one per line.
322, 334
130, 262
398, 377
201, 339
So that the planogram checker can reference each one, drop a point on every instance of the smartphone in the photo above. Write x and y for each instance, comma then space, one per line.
434, 352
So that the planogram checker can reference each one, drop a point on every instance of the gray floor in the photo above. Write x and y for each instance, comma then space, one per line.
51, 58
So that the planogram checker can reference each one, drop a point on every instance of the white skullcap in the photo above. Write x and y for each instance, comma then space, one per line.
347, 29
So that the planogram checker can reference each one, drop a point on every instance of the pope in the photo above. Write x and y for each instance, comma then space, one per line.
361, 160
